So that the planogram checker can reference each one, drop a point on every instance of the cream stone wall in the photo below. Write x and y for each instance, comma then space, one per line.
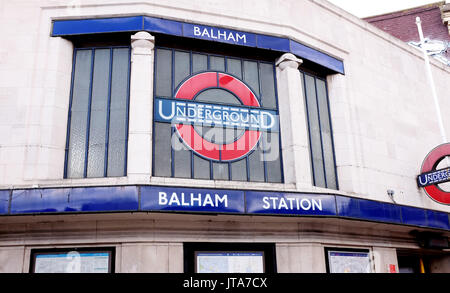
382, 113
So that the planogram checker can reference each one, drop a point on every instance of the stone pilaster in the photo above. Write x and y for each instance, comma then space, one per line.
445, 14
294, 134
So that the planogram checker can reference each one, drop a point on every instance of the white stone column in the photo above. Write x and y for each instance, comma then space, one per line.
139, 165
294, 128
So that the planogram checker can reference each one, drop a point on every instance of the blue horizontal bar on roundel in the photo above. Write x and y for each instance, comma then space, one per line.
434, 177
182, 112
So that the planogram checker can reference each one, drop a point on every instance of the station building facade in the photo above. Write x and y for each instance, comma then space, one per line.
212, 136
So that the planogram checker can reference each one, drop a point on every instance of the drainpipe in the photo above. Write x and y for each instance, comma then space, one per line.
431, 81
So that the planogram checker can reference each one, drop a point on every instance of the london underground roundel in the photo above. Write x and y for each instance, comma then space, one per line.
430, 176
188, 114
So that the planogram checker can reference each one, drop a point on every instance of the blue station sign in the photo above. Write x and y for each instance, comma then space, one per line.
290, 203
435, 177
155, 198
66, 27
212, 201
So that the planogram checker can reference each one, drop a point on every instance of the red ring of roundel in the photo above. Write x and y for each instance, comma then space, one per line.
219, 152
430, 161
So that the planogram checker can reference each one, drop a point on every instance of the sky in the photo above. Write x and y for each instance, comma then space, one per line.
364, 8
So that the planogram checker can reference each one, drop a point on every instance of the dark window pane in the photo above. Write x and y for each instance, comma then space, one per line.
99, 107
118, 122
182, 67
271, 144
314, 131
199, 63
212, 134
162, 149
251, 75
326, 134
182, 158
234, 66
302, 78
79, 114
239, 170
267, 86
217, 63
220, 171
256, 165
163, 75
201, 168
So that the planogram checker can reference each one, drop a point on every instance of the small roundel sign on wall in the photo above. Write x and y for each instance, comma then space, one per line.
431, 176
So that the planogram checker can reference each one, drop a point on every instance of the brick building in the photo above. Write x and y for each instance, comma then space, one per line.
402, 24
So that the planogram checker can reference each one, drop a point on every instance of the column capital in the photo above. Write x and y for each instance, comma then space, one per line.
142, 43
288, 60
139, 165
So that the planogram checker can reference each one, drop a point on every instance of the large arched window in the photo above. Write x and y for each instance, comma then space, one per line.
234, 142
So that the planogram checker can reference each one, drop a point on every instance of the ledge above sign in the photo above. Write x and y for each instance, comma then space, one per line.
61, 28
